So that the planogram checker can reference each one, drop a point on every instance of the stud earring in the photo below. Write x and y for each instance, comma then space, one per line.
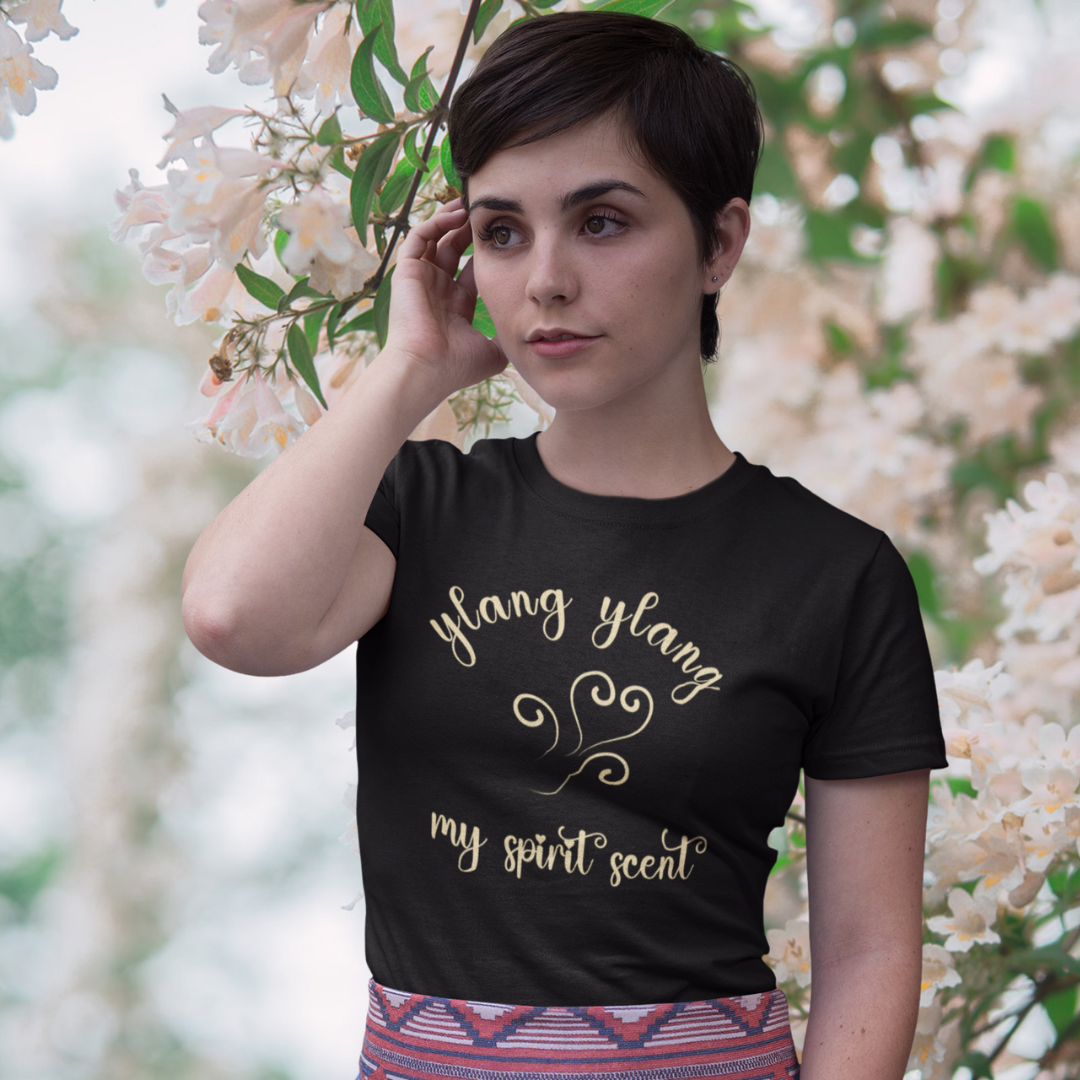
714, 277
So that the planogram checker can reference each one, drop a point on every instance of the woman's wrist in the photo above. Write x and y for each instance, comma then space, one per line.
410, 390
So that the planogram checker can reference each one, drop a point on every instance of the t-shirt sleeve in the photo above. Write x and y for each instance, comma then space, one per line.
382, 516
883, 716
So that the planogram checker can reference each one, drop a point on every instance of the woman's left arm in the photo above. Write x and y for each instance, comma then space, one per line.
864, 847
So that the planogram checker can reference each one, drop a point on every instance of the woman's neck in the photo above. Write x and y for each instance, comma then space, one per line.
650, 445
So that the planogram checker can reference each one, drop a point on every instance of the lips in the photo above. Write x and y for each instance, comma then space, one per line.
558, 343
557, 333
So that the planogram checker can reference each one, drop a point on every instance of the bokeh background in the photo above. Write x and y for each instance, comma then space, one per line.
178, 882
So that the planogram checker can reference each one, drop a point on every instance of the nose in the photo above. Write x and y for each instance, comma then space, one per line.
552, 278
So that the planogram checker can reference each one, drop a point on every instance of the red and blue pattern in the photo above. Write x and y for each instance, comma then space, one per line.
413, 1037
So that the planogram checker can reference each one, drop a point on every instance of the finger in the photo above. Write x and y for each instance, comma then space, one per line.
431, 230
451, 247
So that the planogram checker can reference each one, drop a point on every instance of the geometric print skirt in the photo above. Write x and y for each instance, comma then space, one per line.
415, 1037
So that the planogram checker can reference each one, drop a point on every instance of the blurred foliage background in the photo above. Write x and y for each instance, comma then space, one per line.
171, 886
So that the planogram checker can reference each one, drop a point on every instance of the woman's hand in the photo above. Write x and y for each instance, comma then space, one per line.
431, 311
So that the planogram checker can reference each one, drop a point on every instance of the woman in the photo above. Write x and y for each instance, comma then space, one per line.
592, 663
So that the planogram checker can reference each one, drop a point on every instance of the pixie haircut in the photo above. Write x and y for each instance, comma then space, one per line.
692, 114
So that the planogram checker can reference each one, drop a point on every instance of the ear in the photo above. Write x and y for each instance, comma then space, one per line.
733, 228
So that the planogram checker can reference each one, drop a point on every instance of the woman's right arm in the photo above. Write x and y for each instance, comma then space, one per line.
287, 574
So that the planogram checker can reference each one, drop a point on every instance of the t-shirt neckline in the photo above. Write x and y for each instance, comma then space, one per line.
624, 508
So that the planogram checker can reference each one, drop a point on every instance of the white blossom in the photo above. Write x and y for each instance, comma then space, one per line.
327, 70
21, 74
249, 419
938, 972
42, 17
789, 951
316, 225
192, 124
264, 39
971, 922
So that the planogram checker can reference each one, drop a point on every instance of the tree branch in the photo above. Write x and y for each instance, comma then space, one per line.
439, 114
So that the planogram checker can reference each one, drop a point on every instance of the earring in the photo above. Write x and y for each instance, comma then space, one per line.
714, 277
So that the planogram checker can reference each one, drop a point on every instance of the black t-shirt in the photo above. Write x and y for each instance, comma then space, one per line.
582, 715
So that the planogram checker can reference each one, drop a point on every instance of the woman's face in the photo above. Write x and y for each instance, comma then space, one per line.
589, 265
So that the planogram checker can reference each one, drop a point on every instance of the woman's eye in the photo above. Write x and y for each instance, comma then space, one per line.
501, 235
597, 225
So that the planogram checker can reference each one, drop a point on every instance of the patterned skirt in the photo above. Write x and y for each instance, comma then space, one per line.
413, 1037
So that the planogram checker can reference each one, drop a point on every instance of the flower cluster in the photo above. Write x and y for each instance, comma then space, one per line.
1003, 830
273, 241
969, 366
22, 75
779, 402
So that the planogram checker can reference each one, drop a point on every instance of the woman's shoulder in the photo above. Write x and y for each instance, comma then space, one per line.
425, 466
793, 513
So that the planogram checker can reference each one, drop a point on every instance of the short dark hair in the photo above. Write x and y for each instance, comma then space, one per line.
692, 113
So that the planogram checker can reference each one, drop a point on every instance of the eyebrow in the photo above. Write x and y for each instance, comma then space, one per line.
568, 202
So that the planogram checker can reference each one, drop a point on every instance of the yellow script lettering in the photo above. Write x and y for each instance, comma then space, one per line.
493, 609
460, 837
629, 867
454, 636
557, 612
705, 678
522, 850
612, 622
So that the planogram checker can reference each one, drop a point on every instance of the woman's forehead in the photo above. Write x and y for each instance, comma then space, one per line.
597, 151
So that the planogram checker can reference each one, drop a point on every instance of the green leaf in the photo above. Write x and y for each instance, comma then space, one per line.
1061, 1008
829, 236
21, 883
281, 238
416, 81
338, 163
429, 96
1065, 884
375, 13
393, 191
782, 861
364, 321
488, 10
371, 170
412, 151
978, 1064
300, 354
267, 292
961, 785
370, 95
925, 577
313, 321
1050, 957
840, 341
997, 152
923, 103
482, 320
1000, 152
774, 174
1032, 225
301, 288
329, 132
380, 310
889, 34
854, 155
447, 163
647, 8
332, 320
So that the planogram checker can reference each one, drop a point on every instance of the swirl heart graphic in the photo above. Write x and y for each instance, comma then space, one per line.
636, 711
